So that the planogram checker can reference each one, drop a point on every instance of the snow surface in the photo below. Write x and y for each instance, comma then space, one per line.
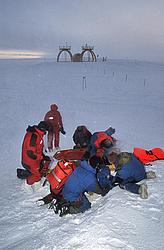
129, 95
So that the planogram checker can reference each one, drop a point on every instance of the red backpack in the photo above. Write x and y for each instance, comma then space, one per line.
146, 156
58, 176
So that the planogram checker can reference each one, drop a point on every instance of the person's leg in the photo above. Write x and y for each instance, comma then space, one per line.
35, 175
50, 140
33, 178
56, 137
132, 187
80, 207
137, 189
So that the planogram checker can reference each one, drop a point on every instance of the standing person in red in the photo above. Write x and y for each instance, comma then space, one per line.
54, 120
33, 159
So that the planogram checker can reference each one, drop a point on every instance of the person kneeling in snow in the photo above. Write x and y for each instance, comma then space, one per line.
83, 179
129, 171
33, 160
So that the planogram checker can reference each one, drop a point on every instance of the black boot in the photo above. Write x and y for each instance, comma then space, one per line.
22, 173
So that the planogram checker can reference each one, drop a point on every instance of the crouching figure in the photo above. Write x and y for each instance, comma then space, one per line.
72, 198
129, 171
34, 162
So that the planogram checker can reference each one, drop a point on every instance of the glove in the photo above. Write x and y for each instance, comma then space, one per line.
111, 131
62, 131
45, 200
61, 207
46, 158
42, 202
64, 210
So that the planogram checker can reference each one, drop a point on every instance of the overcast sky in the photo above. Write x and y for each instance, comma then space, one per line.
116, 28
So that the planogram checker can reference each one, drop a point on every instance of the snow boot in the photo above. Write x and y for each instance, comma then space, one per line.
150, 175
143, 191
22, 173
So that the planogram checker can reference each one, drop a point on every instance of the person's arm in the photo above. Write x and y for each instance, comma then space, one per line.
61, 128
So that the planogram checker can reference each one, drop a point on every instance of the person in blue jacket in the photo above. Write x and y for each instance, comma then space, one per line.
83, 179
130, 171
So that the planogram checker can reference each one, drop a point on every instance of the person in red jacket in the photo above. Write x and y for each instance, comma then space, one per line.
33, 160
100, 143
54, 119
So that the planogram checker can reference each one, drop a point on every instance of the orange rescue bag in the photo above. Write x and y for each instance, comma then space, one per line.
146, 156
58, 176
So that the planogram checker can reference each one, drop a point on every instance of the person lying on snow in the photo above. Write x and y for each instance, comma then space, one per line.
100, 140
34, 162
81, 137
129, 171
72, 199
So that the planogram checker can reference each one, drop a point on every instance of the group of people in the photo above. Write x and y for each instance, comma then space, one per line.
102, 167
34, 161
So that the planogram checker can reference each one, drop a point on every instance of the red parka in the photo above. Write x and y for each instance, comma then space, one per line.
32, 152
53, 117
95, 143
101, 136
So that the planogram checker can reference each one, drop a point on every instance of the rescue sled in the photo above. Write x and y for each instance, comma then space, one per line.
74, 154
70, 154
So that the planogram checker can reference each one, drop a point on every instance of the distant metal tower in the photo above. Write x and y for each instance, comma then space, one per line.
64, 49
88, 49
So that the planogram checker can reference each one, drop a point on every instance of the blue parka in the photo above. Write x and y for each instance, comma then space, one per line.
130, 173
83, 179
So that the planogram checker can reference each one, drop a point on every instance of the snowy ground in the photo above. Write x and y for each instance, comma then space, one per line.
127, 95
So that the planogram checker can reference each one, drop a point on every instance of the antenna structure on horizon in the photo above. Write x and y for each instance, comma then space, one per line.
78, 57
89, 50
65, 49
